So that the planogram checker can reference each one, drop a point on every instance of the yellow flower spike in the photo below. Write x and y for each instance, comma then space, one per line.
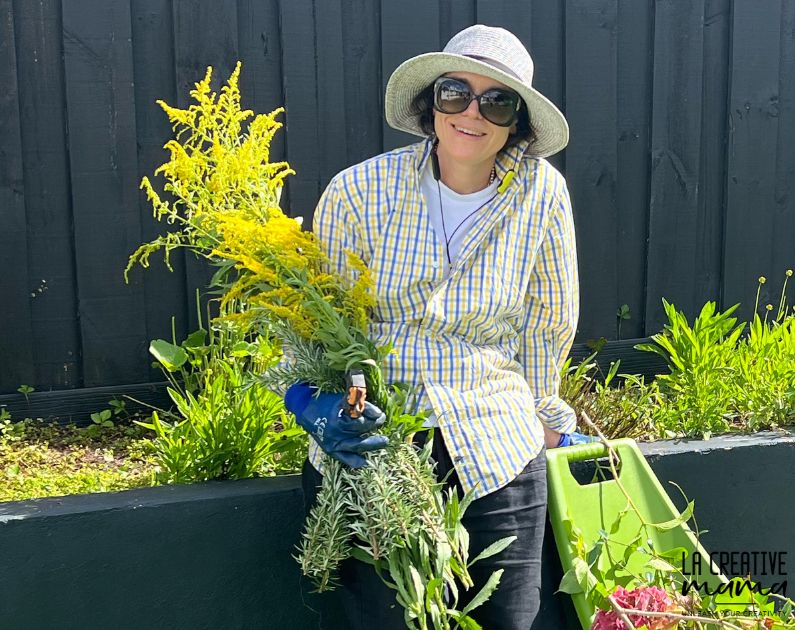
789, 273
226, 196
769, 307
762, 279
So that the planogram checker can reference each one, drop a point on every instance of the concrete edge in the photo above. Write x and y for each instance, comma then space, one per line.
148, 497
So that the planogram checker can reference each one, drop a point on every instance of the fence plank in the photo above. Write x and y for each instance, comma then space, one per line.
153, 61
591, 159
260, 49
514, 15
362, 62
50, 264
548, 49
205, 34
407, 28
304, 116
674, 237
332, 141
261, 82
103, 158
751, 209
712, 181
634, 117
455, 16
16, 365
784, 194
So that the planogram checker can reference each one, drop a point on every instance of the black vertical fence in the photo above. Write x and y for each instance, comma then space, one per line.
681, 162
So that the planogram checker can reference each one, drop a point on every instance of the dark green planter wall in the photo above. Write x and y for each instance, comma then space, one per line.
217, 555
213, 555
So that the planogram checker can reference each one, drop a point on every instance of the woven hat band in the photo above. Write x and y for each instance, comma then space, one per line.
498, 65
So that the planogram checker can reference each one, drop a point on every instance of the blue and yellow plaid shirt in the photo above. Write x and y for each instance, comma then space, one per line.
484, 343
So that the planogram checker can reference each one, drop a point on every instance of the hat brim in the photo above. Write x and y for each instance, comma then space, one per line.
417, 73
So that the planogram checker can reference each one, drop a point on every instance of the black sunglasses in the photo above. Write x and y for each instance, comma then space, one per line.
497, 105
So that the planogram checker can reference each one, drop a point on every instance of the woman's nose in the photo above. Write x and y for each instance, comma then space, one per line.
473, 108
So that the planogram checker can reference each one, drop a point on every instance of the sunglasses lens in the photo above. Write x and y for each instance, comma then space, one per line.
499, 107
451, 96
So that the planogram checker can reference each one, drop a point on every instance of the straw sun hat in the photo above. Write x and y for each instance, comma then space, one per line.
488, 51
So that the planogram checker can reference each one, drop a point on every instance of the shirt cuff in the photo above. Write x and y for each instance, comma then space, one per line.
556, 414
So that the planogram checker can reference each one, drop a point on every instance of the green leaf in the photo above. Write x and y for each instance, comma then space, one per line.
585, 578
493, 549
416, 580
102, 417
242, 349
674, 554
569, 584
660, 565
430, 592
467, 623
168, 355
484, 593
679, 520
196, 339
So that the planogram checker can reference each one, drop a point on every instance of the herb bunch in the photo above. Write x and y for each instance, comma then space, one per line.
274, 278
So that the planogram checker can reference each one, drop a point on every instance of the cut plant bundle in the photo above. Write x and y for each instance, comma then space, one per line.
275, 281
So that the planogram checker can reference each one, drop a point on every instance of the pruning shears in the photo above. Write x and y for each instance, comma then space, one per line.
355, 392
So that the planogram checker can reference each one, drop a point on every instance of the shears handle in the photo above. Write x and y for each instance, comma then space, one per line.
355, 392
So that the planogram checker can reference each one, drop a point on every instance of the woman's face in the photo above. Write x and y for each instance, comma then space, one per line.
468, 148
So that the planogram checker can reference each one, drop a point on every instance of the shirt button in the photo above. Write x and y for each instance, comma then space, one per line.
435, 265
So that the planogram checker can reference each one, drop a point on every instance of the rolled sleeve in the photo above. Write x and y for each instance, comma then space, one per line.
552, 312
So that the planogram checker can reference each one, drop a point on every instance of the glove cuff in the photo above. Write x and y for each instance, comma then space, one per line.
297, 398
565, 440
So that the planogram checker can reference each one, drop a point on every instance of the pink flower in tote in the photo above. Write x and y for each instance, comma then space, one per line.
649, 598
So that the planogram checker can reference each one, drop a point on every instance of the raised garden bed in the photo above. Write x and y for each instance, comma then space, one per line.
218, 554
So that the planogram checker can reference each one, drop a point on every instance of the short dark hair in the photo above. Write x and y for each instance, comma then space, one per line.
422, 107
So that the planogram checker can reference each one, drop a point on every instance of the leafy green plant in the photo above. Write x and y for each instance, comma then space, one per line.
619, 411
100, 421
721, 379
230, 429
25, 390
118, 406
622, 314
700, 387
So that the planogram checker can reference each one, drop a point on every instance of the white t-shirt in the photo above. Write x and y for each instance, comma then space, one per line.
459, 210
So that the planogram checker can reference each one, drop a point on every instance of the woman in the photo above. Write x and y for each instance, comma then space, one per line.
470, 239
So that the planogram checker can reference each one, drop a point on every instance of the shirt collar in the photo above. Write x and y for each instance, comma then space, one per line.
507, 159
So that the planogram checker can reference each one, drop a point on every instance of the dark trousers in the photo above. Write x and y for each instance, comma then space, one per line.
518, 509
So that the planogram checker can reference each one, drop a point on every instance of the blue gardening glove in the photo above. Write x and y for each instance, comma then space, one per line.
573, 438
325, 419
